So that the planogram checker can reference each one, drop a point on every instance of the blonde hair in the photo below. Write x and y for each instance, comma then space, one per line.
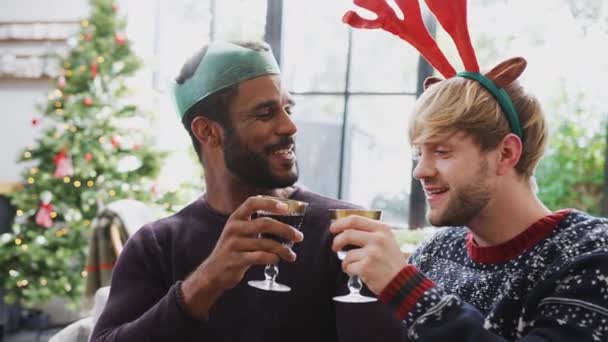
458, 104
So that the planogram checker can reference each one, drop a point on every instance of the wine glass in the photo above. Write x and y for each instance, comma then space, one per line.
293, 217
354, 283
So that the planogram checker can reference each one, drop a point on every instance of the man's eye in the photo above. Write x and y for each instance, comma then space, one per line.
442, 153
289, 110
264, 114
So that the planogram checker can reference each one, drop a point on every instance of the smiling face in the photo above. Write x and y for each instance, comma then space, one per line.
456, 178
259, 144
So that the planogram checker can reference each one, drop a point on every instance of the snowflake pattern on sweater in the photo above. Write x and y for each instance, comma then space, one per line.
556, 289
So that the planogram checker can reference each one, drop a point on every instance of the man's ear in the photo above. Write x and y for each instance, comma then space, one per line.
429, 81
206, 131
511, 149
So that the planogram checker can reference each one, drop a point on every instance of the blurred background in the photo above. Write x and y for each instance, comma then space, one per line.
83, 88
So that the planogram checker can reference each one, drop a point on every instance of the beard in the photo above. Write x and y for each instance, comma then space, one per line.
254, 167
466, 203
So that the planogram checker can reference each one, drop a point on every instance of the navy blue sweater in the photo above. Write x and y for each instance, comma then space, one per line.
550, 283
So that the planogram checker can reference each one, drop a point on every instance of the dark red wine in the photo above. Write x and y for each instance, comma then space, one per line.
294, 220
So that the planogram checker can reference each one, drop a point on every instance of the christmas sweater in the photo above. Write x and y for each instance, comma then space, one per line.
550, 283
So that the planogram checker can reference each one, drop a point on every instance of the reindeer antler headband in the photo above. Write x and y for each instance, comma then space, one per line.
452, 16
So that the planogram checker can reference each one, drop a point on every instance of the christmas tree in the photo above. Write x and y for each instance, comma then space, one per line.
93, 149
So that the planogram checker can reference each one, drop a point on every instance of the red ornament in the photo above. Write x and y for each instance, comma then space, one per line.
115, 8
94, 70
88, 36
136, 147
61, 82
63, 165
115, 141
120, 38
35, 122
88, 101
43, 217
88, 156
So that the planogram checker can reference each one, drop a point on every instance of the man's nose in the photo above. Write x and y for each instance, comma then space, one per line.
286, 126
424, 168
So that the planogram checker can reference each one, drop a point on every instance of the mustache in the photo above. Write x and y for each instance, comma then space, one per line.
283, 143
433, 182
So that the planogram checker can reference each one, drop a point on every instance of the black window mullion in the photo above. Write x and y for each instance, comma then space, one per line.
274, 27
345, 114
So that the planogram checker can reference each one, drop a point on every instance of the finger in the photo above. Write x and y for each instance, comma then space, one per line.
357, 262
357, 222
260, 258
266, 225
255, 203
265, 245
351, 237
353, 256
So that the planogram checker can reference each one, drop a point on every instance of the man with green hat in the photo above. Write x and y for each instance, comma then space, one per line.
186, 277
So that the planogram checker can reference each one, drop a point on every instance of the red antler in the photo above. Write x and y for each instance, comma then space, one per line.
452, 15
411, 29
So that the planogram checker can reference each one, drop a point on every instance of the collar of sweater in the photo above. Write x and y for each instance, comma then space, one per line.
519, 244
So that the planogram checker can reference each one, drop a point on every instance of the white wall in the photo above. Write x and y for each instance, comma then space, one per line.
18, 99
34, 10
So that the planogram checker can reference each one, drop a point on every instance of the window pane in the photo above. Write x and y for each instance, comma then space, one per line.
240, 19
319, 120
314, 55
382, 62
184, 29
378, 159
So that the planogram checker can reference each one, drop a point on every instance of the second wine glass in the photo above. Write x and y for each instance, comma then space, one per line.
354, 283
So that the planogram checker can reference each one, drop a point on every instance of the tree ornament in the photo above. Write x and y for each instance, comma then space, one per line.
35, 122
94, 70
88, 101
88, 156
61, 82
115, 141
63, 165
43, 217
128, 164
120, 38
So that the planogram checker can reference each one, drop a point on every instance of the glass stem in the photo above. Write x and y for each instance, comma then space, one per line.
271, 272
354, 285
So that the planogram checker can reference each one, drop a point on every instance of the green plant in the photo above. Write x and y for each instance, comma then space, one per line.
572, 173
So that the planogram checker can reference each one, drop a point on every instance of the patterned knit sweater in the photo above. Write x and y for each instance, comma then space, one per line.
550, 283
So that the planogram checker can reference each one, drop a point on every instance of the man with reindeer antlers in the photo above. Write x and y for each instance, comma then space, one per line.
505, 267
